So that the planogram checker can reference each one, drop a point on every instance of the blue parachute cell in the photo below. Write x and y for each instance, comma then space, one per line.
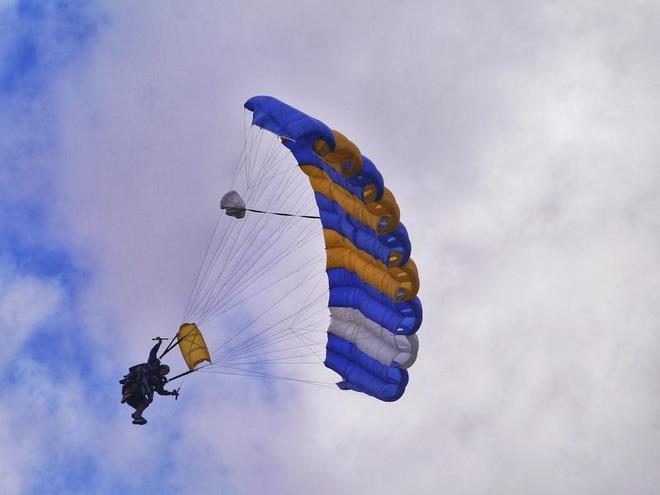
369, 175
363, 373
279, 118
348, 291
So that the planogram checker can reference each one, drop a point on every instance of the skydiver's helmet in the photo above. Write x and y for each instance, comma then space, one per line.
163, 369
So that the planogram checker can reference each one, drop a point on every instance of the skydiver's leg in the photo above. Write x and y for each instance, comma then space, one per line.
137, 415
127, 390
130, 383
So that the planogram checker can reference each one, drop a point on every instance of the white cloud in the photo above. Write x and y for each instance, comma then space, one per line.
521, 145
26, 302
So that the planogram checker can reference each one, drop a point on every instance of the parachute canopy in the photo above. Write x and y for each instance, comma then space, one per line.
373, 283
192, 345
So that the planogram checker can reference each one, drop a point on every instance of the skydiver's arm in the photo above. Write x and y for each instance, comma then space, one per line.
153, 355
161, 391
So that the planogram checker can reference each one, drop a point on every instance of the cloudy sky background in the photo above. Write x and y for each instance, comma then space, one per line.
520, 139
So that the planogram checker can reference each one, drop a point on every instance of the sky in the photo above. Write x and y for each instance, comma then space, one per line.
520, 139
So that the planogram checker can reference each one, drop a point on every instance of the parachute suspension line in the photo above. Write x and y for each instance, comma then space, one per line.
305, 280
275, 362
242, 155
278, 345
249, 343
271, 306
258, 373
284, 156
269, 157
225, 305
230, 303
277, 196
242, 264
248, 145
211, 289
273, 159
245, 155
265, 159
295, 320
233, 248
202, 293
248, 153
241, 372
180, 375
194, 290
282, 227
246, 284
198, 298
230, 239
245, 278
268, 347
271, 358
276, 357
265, 346
252, 155
277, 164
223, 350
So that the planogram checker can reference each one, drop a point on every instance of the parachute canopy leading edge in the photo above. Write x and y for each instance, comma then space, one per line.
373, 282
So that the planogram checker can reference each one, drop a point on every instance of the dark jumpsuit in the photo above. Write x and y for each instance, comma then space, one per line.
144, 379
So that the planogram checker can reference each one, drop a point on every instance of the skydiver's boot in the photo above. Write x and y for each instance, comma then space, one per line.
138, 419
137, 415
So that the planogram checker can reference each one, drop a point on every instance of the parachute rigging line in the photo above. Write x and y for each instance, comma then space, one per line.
282, 214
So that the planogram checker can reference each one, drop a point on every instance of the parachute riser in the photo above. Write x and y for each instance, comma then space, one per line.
173, 343
181, 375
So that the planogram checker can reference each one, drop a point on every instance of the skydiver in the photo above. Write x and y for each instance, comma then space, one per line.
142, 381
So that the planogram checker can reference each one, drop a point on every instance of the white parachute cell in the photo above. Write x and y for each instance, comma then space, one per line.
371, 338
